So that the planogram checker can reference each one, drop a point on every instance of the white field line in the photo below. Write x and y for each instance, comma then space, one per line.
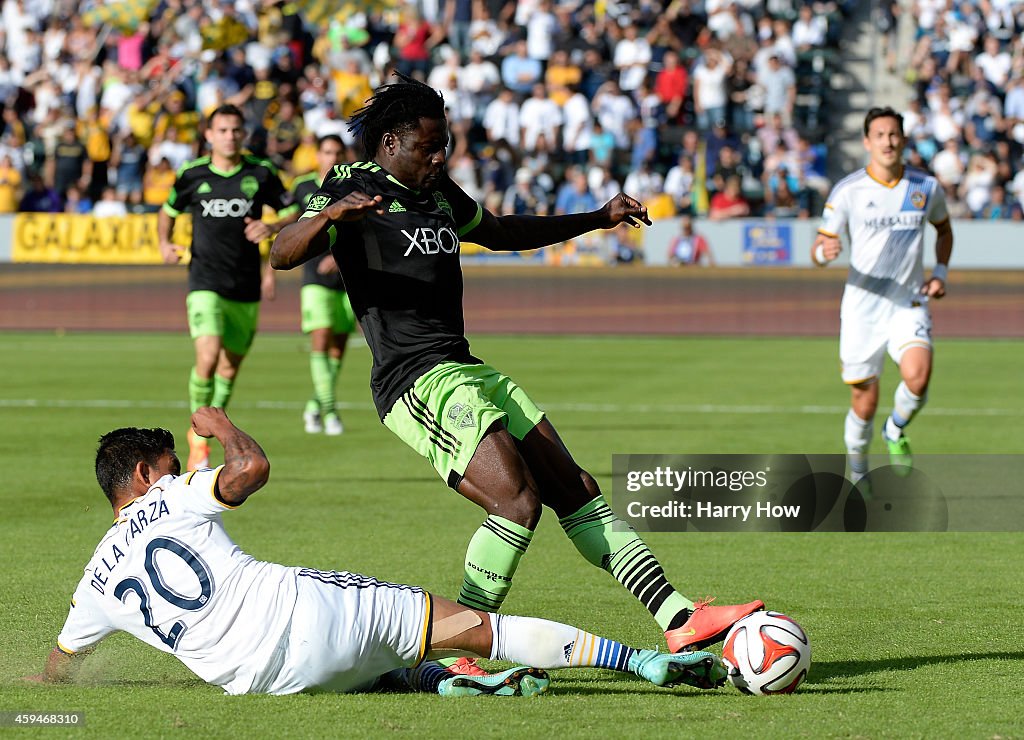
594, 408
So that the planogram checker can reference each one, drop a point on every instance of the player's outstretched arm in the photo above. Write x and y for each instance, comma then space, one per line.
517, 233
246, 467
60, 668
314, 235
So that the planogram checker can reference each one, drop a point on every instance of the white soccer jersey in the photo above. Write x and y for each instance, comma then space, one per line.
167, 573
886, 224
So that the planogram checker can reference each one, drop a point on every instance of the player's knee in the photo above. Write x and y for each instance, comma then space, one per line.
917, 381
522, 506
590, 488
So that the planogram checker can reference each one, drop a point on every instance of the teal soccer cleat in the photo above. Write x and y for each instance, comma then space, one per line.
699, 669
521, 681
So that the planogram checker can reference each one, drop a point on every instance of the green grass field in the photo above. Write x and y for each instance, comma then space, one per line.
915, 635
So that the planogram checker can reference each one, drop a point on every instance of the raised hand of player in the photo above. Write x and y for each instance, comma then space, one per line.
256, 231
353, 207
171, 253
207, 421
622, 208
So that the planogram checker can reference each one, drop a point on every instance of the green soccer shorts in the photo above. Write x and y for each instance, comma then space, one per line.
235, 322
449, 409
324, 308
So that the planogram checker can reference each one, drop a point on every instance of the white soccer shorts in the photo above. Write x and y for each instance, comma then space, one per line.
347, 630
863, 343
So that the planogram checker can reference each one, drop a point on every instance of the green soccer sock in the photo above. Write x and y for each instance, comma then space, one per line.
334, 363
491, 560
623, 554
200, 391
323, 381
222, 388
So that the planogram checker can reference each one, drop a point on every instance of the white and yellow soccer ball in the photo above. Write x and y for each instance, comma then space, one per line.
767, 653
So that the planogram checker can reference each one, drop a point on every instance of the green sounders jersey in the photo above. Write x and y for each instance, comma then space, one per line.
402, 272
304, 187
223, 260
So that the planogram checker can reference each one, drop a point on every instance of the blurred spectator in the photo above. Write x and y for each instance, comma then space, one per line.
779, 85
541, 27
729, 203
710, 89
501, 119
689, 247
624, 245
1001, 207
603, 186
995, 64
538, 115
523, 197
413, 41
671, 86
575, 195
976, 187
614, 110
157, 184
10, 184
519, 71
679, 184
109, 205
69, 163
76, 201
948, 164
40, 198
577, 128
632, 58
643, 183
127, 161
810, 30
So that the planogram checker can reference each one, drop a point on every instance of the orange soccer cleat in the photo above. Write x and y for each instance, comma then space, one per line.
198, 452
467, 667
708, 624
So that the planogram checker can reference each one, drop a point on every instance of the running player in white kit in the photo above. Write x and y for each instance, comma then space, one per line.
884, 209
168, 573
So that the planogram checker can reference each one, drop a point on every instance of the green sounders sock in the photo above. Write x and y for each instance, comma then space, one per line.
200, 391
334, 364
491, 559
222, 388
323, 381
593, 531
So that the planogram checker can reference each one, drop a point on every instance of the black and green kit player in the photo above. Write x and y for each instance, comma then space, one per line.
394, 224
225, 192
326, 311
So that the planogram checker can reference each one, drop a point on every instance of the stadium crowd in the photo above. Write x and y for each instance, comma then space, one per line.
965, 115
715, 108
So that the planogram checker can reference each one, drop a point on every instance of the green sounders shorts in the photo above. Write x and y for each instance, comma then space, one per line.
324, 308
449, 408
235, 322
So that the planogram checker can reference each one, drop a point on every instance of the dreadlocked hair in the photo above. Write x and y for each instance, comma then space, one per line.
398, 108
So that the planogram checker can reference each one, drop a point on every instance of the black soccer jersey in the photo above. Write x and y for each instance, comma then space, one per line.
223, 260
304, 187
402, 272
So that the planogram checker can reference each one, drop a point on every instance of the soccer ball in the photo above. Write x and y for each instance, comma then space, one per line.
767, 653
